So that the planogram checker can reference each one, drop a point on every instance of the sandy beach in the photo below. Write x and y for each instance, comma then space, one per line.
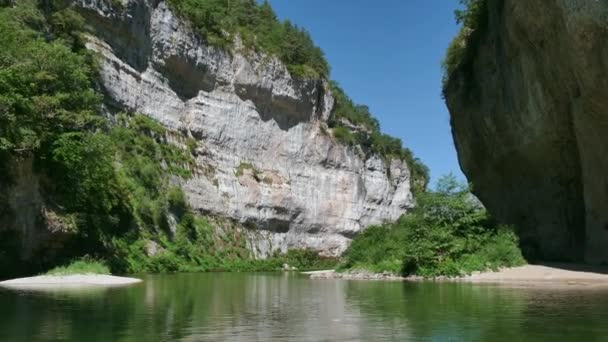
73, 281
549, 275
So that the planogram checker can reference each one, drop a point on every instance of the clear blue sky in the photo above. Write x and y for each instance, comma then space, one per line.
387, 54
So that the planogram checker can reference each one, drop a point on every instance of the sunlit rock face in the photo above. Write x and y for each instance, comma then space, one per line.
264, 158
530, 123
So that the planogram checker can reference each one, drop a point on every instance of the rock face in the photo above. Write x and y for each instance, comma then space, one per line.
529, 116
264, 156
29, 228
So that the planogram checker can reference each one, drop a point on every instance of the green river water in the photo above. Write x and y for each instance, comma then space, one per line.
292, 307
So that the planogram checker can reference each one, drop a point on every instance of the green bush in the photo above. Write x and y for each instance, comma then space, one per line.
459, 55
305, 259
369, 137
446, 234
344, 135
82, 266
345, 108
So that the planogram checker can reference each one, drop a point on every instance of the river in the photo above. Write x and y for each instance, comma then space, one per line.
292, 307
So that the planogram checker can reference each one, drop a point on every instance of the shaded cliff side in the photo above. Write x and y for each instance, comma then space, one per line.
526, 88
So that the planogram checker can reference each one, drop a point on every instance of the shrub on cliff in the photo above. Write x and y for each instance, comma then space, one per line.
448, 233
369, 137
473, 19
218, 21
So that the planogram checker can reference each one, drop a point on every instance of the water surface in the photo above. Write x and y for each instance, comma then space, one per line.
290, 307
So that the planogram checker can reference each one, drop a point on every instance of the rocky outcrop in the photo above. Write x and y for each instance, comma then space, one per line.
529, 116
264, 155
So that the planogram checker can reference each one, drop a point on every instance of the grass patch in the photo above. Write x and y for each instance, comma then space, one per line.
447, 234
83, 266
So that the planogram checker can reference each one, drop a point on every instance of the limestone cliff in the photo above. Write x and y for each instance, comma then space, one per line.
529, 114
264, 155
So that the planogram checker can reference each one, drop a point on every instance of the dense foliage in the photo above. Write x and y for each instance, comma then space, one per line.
115, 187
45, 86
353, 124
219, 21
448, 233
48, 107
473, 19
111, 187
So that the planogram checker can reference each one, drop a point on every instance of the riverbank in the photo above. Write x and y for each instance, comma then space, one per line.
528, 275
544, 275
354, 275
71, 281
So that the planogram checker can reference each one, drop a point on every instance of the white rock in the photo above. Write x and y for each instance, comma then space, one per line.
311, 192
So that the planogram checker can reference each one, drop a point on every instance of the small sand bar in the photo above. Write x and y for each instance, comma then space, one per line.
63, 281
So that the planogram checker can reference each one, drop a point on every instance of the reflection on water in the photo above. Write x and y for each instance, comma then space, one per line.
261, 307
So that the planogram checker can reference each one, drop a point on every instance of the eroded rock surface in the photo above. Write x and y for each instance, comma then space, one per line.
530, 121
263, 156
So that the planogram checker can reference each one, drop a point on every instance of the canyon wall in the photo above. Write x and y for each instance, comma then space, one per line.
529, 115
265, 157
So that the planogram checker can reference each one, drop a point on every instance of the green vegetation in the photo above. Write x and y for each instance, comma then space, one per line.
446, 234
118, 185
115, 184
459, 55
45, 86
240, 170
83, 266
367, 135
219, 21
219, 253
118, 4
345, 108
257, 174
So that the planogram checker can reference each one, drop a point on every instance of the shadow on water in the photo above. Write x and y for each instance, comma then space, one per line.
261, 307
447, 311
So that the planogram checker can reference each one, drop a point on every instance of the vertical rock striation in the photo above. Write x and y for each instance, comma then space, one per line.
529, 114
264, 158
